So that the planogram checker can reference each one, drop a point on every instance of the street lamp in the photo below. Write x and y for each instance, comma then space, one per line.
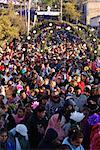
92, 29
25, 11
94, 40
95, 52
28, 38
68, 28
50, 24
51, 31
29, 15
34, 31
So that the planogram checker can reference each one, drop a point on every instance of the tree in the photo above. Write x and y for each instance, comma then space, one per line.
11, 24
70, 11
50, 2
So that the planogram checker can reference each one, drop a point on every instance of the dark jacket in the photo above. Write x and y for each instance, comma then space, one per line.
48, 142
34, 126
8, 145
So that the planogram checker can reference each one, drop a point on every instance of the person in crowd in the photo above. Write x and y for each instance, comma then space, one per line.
55, 123
20, 135
9, 119
24, 99
52, 85
74, 139
9, 90
94, 122
36, 125
79, 99
53, 103
6, 142
49, 141
28, 113
20, 115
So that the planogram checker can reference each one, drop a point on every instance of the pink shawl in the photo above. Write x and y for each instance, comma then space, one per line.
54, 123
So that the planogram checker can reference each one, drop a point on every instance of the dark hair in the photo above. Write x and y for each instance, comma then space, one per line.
74, 134
22, 92
69, 86
77, 88
51, 135
40, 109
44, 97
87, 90
2, 130
22, 108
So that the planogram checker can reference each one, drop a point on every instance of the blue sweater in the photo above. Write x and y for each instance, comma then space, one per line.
72, 147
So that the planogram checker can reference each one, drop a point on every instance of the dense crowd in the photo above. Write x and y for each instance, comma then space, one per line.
49, 101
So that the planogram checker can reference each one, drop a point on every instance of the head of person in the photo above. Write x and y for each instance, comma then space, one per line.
75, 137
44, 99
87, 91
70, 89
3, 135
83, 76
9, 83
77, 91
55, 96
40, 81
52, 84
58, 81
69, 105
28, 108
46, 81
22, 130
40, 112
20, 112
77, 78
1, 98
92, 105
8, 74
51, 135
23, 94
68, 109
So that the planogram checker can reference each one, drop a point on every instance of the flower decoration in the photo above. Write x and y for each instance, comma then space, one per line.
94, 119
35, 104
77, 116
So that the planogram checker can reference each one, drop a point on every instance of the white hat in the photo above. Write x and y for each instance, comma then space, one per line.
22, 129
77, 116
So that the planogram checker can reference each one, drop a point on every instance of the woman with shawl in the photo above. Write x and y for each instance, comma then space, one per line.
55, 123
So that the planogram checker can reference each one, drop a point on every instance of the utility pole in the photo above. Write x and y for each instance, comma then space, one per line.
25, 12
29, 16
21, 7
61, 8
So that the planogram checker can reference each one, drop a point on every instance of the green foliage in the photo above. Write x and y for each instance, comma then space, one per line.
50, 2
70, 11
11, 24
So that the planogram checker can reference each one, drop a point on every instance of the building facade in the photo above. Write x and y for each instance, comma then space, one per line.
91, 9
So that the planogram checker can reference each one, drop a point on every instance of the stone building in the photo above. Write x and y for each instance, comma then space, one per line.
91, 9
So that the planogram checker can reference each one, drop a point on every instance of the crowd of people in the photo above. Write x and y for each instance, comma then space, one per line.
49, 100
